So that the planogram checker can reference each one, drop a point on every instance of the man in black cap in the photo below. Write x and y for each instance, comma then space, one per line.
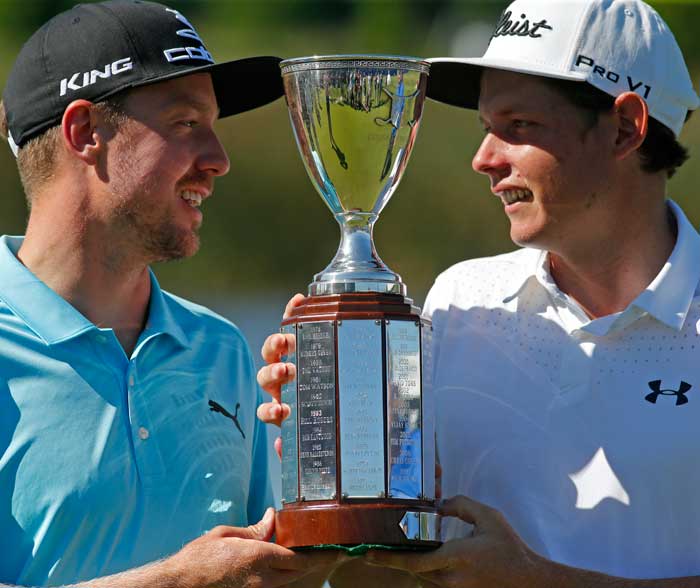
127, 415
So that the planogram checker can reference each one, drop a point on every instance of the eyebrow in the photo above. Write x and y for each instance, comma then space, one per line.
184, 100
517, 109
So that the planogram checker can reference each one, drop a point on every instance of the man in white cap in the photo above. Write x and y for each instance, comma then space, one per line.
566, 373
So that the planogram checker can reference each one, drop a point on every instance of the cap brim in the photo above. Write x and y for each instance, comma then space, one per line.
240, 85
245, 84
455, 80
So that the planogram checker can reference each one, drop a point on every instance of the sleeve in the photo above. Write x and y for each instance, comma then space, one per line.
260, 495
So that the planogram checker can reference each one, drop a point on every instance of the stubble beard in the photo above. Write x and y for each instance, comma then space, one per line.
155, 239
148, 236
143, 235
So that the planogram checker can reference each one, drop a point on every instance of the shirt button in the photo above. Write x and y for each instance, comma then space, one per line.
143, 433
131, 380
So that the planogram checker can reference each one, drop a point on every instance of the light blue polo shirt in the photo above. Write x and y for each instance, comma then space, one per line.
109, 462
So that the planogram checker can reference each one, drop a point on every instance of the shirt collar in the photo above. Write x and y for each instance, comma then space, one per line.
667, 298
531, 267
54, 319
160, 316
43, 311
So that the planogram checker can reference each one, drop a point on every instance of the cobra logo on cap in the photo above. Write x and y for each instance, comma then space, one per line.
179, 53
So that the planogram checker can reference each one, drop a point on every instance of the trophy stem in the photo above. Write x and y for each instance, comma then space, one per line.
356, 249
356, 266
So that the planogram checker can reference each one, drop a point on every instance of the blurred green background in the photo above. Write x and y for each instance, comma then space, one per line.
266, 231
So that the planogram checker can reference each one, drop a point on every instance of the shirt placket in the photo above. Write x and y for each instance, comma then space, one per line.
144, 433
575, 370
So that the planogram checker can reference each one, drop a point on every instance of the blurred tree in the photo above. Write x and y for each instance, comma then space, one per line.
21, 18
266, 229
681, 17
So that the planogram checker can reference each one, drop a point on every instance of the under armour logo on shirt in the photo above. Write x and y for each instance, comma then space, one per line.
216, 407
657, 391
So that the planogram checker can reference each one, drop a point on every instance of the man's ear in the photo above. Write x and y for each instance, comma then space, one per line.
80, 132
632, 118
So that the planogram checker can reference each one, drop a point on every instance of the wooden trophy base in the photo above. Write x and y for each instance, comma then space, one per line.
358, 463
349, 525
361, 305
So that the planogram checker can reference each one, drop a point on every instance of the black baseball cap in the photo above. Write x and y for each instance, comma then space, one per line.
93, 51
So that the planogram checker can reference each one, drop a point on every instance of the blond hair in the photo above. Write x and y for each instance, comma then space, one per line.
36, 159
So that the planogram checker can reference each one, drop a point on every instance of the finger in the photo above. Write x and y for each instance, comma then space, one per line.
278, 447
277, 346
409, 562
272, 377
273, 413
260, 531
310, 561
295, 301
264, 529
468, 510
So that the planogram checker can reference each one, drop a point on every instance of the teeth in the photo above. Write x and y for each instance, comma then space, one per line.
511, 196
192, 198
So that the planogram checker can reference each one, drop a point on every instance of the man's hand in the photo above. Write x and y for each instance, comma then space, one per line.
494, 556
276, 373
233, 556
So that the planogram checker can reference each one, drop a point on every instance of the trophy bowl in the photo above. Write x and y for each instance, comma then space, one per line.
358, 450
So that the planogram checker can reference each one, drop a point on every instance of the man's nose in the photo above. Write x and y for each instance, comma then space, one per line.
490, 159
213, 157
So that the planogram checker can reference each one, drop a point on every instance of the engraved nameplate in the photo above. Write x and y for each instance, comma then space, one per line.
404, 409
290, 449
316, 390
428, 411
361, 410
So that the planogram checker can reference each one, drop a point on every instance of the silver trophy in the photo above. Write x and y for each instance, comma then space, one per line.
358, 451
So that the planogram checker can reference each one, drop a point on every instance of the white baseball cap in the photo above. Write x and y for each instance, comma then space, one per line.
615, 45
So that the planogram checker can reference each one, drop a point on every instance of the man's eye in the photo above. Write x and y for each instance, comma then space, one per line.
521, 124
189, 123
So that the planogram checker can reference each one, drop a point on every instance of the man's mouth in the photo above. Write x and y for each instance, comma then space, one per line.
194, 199
513, 196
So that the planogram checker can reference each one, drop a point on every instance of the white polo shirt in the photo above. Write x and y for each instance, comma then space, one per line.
584, 433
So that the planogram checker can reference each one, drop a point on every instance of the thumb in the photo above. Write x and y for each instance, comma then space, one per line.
468, 510
295, 301
260, 531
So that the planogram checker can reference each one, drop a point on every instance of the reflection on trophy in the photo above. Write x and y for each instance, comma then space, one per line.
358, 451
